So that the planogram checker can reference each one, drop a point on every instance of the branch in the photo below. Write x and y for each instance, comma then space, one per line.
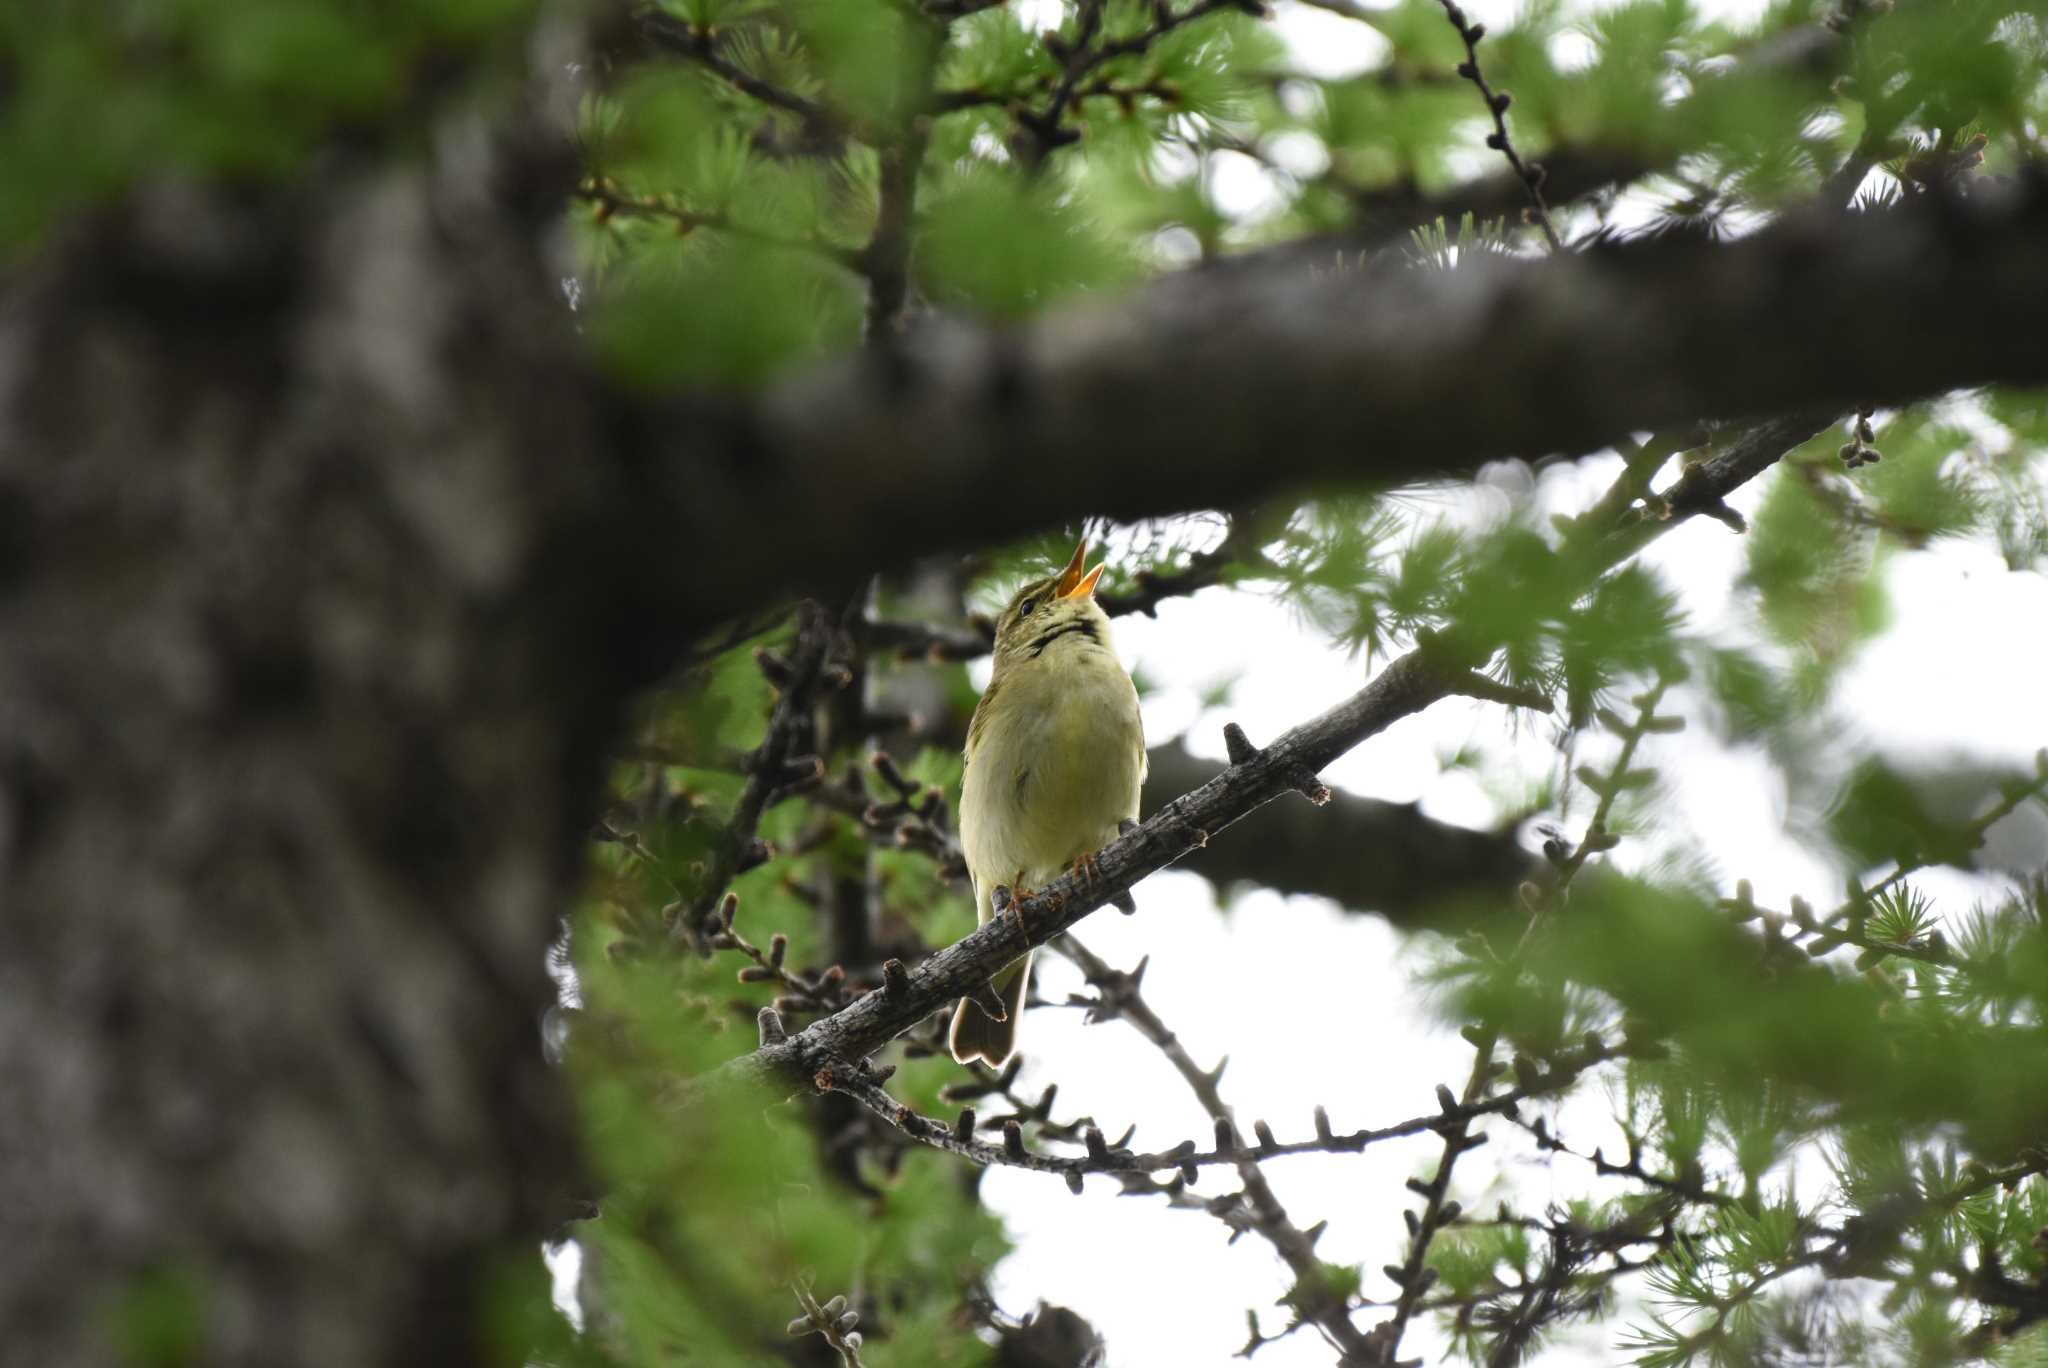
1157, 402
833, 1320
1083, 57
1413, 1275
680, 36
1422, 874
609, 200
1571, 173
886, 258
1497, 102
1406, 686
1312, 1297
772, 772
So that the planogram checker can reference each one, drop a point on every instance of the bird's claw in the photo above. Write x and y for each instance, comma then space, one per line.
1004, 902
1089, 869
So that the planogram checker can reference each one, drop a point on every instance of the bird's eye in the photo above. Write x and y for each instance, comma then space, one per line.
1029, 606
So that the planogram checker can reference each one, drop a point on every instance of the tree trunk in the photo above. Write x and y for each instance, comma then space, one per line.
300, 728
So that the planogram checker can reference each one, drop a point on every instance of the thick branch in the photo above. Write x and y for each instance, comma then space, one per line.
1214, 388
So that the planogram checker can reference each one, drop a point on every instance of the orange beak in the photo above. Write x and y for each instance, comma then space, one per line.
1072, 583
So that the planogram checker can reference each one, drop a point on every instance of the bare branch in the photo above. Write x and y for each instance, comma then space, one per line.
1314, 1299
1497, 102
770, 773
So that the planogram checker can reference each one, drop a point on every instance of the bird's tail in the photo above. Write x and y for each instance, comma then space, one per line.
977, 1035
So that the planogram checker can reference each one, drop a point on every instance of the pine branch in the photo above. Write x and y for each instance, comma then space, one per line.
1404, 687
1084, 55
609, 200
677, 35
886, 258
1413, 1275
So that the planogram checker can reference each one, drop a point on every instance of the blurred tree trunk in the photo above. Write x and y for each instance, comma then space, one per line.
301, 720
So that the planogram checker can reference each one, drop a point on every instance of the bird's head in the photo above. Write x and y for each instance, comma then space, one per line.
1046, 610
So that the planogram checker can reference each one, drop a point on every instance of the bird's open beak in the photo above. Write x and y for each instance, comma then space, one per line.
1072, 583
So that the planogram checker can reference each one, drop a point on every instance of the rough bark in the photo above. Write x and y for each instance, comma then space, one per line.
303, 699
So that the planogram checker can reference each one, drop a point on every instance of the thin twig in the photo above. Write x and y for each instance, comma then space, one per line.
700, 45
1497, 103
1314, 1300
833, 1321
769, 775
609, 200
865, 1088
1082, 57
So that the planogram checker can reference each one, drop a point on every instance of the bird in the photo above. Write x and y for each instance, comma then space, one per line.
1054, 763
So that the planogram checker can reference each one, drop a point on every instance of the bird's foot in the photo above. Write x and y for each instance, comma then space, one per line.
1004, 903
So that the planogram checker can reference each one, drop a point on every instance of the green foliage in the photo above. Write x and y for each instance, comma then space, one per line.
732, 313
99, 96
716, 1204
1810, 564
1472, 1257
1007, 248
1882, 818
870, 54
160, 1320
1338, 1282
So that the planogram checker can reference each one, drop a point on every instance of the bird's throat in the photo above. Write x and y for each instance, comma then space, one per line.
1081, 625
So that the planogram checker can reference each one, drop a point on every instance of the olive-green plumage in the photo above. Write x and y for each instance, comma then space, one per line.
1055, 759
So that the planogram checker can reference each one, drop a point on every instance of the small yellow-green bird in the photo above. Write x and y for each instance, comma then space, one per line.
1055, 760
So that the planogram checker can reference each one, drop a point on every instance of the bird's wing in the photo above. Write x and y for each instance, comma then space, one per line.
977, 726
1138, 732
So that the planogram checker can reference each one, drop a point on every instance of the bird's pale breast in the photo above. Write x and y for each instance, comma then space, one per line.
1059, 765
